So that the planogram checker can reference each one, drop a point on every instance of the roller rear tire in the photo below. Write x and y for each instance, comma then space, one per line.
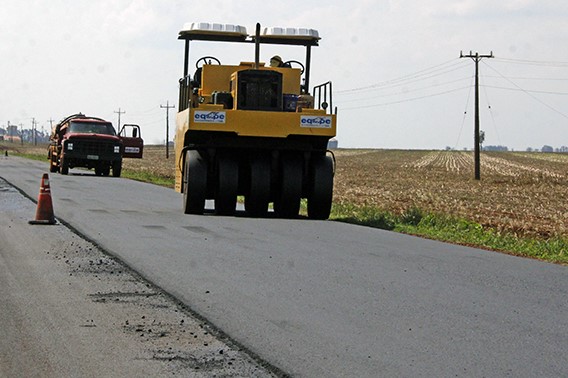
287, 203
194, 183
320, 187
258, 196
227, 185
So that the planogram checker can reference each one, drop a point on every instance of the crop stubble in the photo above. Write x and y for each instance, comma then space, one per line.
522, 193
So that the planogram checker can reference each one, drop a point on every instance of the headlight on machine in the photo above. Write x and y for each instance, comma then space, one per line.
69, 146
116, 149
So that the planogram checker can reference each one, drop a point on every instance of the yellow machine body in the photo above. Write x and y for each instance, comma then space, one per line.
252, 130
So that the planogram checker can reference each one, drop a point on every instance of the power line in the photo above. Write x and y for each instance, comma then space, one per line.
491, 113
529, 78
525, 90
406, 79
533, 62
406, 100
464, 113
405, 92
528, 94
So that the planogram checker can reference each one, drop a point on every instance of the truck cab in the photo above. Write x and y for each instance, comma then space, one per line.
92, 143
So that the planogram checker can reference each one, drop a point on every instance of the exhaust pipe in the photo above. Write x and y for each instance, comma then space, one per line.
257, 47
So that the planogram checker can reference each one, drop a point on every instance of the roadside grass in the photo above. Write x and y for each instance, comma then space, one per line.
413, 221
31, 156
454, 230
148, 177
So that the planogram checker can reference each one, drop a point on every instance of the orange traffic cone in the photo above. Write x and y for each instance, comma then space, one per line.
44, 212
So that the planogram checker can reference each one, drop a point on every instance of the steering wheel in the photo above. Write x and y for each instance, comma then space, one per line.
204, 59
289, 64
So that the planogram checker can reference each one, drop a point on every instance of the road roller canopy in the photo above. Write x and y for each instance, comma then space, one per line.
204, 31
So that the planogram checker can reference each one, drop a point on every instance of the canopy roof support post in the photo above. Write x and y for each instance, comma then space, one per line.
308, 64
257, 47
186, 59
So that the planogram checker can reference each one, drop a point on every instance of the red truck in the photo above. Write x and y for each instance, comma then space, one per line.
92, 143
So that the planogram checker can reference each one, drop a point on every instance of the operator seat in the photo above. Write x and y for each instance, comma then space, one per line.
196, 82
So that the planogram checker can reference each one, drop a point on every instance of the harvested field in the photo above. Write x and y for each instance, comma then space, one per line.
522, 193
526, 194
154, 162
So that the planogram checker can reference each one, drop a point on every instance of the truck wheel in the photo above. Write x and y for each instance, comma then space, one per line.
64, 169
227, 185
99, 170
287, 203
194, 183
258, 196
53, 166
106, 170
116, 169
320, 194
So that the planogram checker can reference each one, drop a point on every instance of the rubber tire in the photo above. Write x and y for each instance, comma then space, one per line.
64, 169
106, 170
258, 196
287, 204
53, 164
227, 185
320, 194
116, 169
194, 183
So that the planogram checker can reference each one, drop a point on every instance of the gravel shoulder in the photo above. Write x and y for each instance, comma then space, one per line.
70, 309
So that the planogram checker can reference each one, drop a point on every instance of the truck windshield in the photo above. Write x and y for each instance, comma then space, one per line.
92, 128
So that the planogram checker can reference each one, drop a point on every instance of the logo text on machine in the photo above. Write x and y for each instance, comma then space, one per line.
203, 116
315, 121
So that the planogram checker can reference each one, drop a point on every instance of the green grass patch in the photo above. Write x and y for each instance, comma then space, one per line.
148, 177
31, 156
455, 230
363, 215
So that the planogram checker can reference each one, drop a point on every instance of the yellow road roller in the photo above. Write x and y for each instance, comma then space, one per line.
253, 130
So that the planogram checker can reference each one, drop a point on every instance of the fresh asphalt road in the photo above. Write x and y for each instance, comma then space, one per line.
326, 299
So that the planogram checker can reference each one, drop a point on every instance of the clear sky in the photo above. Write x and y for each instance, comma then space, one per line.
397, 77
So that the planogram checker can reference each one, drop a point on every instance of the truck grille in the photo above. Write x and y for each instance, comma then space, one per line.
85, 147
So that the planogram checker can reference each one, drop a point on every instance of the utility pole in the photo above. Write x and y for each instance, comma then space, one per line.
167, 107
119, 113
476, 58
34, 131
50, 120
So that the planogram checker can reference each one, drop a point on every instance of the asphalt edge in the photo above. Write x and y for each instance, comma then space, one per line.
211, 328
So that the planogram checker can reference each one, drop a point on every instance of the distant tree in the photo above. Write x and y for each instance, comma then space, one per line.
529, 149
546, 148
496, 148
